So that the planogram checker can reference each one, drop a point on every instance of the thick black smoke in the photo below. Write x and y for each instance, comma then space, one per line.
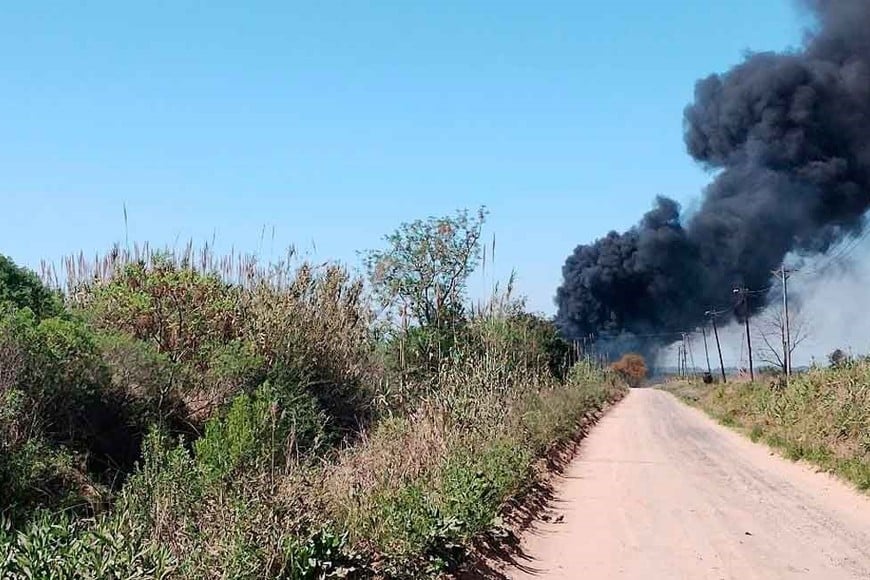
789, 134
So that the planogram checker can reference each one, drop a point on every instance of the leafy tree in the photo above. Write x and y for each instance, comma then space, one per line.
22, 288
632, 368
423, 272
536, 339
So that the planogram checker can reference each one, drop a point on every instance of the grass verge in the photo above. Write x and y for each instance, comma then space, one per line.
821, 416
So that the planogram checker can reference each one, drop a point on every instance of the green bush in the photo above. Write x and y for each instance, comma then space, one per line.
224, 338
261, 429
76, 400
74, 373
474, 485
21, 288
184, 312
34, 473
323, 555
53, 545
59, 369
244, 435
166, 491
63, 405
15, 427
537, 343
236, 366
144, 379
305, 424
418, 351
405, 519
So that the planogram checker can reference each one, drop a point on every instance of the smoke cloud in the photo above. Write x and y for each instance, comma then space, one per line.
788, 135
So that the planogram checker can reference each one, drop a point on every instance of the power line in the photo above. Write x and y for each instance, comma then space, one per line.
632, 335
835, 257
845, 250
691, 354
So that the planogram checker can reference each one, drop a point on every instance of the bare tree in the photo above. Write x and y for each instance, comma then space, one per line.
771, 328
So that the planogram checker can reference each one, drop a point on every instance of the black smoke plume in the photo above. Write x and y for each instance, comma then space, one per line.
789, 137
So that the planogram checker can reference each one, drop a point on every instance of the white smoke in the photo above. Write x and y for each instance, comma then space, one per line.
829, 308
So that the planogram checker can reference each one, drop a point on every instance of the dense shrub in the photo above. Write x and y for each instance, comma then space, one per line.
21, 288
223, 339
539, 341
273, 424
420, 487
225, 420
316, 327
416, 353
181, 310
33, 472
65, 396
143, 378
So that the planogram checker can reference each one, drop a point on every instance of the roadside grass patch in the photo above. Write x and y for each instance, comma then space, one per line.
822, 416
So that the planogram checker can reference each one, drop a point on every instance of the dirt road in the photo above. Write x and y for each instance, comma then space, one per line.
659, 491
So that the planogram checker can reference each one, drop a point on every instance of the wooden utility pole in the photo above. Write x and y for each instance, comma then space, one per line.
683, 342
706, 351
680, 361
743, 294
713, 314
685, 361
749, 348
687, 351
786, 335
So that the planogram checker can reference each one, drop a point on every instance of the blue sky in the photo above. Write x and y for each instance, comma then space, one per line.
336, 121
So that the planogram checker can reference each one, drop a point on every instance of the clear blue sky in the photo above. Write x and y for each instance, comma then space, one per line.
335, 121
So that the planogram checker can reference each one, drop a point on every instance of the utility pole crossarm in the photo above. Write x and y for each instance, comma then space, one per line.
784, 329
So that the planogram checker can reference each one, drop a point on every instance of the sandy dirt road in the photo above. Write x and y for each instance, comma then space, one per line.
660, 491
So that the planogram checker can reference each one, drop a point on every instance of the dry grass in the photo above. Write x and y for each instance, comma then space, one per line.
822, 415
408, 480
397, 451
